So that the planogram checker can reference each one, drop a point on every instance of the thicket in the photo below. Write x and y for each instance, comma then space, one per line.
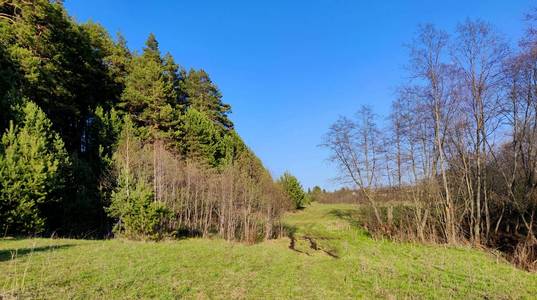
460, 150
98, 138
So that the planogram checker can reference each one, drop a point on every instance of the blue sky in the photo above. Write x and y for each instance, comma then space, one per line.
290, 68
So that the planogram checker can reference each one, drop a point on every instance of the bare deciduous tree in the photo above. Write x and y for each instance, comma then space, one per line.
356, 147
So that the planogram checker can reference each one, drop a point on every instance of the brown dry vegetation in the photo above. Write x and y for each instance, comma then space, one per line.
238, 201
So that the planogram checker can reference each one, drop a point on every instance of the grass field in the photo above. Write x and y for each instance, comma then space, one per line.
329, 256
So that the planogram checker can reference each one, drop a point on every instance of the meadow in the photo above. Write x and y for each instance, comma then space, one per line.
326, 256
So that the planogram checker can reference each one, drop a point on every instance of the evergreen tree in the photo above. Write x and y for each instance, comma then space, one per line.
203, 95
315, 194
93, 178
32, 161
114, 55
174, 74
83, 80
62, 70
10, 81
199, 138
230, 148
150, 94
294, 190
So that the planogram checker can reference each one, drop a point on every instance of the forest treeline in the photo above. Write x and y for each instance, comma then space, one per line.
96, 136
461, 147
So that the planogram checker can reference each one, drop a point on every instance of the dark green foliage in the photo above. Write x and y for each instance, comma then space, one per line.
83, 84
92, 182
115, 56
199, 138
103, 133
67, 70
294, 190
203, 95
62, 71
32, 165
231, 147
174, 74
150, 94
10, 80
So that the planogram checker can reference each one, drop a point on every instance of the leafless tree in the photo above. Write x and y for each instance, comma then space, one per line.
478, 53
356, 149
433, 91
463, 143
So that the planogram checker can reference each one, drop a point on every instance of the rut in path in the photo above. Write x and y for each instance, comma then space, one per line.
313, 245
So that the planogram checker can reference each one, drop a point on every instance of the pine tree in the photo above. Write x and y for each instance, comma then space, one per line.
150, 95
231, 147
294, 190
199, 138
203, 95
62, 68
174, 74
32, 165
114, 55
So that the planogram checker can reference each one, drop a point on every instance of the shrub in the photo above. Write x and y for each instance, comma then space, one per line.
139, 216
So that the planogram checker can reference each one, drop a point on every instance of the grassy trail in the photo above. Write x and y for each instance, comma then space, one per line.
328, 257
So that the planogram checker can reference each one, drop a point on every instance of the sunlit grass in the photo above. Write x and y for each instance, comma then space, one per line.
345, 263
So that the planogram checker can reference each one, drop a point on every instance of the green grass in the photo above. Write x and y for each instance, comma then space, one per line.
343, 263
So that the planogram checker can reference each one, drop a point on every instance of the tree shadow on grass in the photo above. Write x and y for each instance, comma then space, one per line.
347, 215
10, 254
352, 217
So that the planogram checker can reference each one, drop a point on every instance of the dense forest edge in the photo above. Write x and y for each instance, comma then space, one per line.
100, 140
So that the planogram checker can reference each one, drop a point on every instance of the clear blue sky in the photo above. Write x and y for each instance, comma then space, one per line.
290, 68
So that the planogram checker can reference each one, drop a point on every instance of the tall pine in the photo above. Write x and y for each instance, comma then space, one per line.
203, 95
150, 94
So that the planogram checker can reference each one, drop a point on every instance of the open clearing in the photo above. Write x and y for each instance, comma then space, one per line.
328, 256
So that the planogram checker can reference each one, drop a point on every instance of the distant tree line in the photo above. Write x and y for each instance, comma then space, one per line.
461, 148
96, 136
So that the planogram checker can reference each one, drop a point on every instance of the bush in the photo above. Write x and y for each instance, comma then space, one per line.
140, 217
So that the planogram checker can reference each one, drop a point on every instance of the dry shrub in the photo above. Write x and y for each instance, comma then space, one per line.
525, 254
402, 222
